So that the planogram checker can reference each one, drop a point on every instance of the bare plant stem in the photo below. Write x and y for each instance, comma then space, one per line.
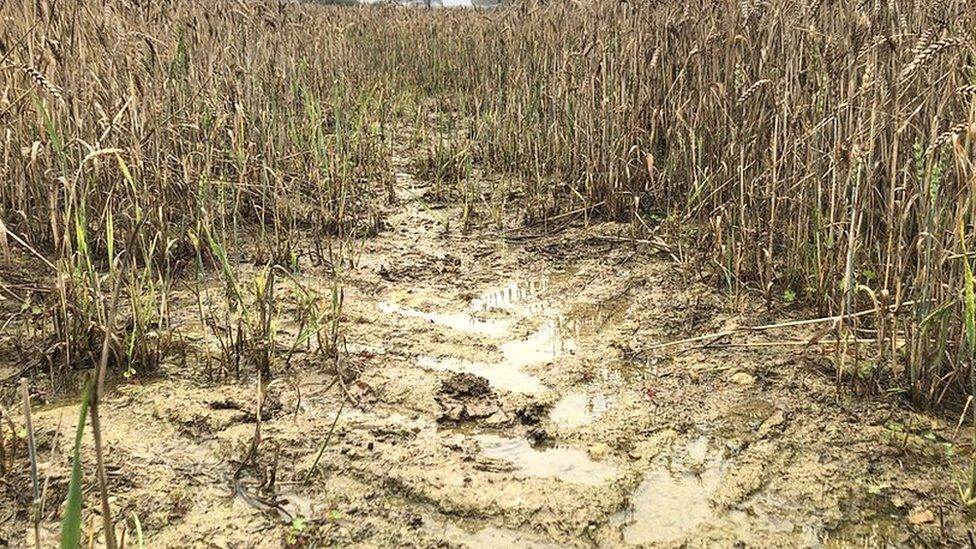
96, 399
32, 453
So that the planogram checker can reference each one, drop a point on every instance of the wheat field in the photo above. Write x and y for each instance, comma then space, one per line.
813, 154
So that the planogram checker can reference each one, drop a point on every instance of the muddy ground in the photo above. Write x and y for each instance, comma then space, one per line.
498, 391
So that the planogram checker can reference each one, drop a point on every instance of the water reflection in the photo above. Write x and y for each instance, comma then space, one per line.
579, 408
507, 296
567, 464
502, 375
675, 498
461, 322
557, 333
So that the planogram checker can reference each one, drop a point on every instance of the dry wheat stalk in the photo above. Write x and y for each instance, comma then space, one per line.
923, 57
948, 135
43, 82
751, 90
654, 58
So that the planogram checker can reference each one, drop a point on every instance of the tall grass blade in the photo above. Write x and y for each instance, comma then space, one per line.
71, 523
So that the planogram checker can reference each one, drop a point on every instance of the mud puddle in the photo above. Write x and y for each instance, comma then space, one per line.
462, 322
580, 408
503, 375
565, 463
675, 503
511, 294
509, 373
557, 332
674, 499
552, 333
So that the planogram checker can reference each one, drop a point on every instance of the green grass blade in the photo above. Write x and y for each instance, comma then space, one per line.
71, 524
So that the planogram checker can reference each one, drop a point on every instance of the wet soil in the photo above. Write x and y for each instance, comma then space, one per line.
503, 395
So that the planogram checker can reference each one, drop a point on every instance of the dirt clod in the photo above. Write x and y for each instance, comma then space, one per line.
743, 378
466, 397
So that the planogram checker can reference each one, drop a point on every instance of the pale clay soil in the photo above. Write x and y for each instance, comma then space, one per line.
497, 395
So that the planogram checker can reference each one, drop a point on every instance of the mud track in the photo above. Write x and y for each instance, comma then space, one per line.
502, 397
